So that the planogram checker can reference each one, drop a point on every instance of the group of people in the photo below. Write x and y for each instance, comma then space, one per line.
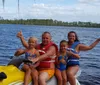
48, 60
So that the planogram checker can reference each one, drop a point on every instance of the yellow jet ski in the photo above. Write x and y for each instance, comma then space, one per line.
12, 75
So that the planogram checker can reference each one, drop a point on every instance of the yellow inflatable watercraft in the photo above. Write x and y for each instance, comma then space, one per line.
12, 75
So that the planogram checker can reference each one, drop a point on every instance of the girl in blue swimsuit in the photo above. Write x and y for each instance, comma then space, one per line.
61, 64
30, 53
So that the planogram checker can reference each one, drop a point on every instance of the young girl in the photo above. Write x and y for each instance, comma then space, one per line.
29, 68
61, 64
64, 54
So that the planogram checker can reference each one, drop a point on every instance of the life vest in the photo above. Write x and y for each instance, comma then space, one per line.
42, 50
71, 59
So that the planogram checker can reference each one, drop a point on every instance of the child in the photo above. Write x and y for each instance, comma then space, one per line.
61, 67
63, 60
30, 53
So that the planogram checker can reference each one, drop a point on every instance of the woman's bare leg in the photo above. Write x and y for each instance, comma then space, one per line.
71, 72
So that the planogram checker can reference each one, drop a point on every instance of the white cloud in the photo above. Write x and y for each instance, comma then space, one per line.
92, 2
76, 12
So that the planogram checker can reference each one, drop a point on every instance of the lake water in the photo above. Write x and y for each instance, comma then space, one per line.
90, 60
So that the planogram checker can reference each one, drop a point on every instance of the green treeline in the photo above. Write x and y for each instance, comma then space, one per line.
49, 22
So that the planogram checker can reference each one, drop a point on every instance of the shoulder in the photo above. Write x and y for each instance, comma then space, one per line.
77, 46
55, 46
80, 44
52, 47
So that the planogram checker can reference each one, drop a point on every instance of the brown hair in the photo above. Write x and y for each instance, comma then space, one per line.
63, 41
76, 37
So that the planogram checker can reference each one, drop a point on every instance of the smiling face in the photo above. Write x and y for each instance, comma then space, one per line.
72, 37
32, 42
46, 38
63, 46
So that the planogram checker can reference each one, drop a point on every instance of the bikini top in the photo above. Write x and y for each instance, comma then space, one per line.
27, 54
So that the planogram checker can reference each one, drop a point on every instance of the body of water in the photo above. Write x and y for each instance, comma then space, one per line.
89, 61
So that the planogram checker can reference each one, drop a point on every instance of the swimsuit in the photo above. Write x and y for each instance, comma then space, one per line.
29, 55
61, 66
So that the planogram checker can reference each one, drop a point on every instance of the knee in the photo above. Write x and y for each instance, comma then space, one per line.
28, 70
70, 74
41, 79
60, 79
36, 78
34, 74
65, 79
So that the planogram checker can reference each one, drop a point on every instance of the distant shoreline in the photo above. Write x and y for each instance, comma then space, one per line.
50, 22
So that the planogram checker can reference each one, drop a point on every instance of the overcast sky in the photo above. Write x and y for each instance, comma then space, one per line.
64, 10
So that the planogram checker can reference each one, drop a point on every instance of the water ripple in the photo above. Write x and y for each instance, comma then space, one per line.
89, 61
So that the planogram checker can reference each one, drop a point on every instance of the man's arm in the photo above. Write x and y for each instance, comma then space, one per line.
50, 52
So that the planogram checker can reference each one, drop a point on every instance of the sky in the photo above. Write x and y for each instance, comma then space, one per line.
61, 10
